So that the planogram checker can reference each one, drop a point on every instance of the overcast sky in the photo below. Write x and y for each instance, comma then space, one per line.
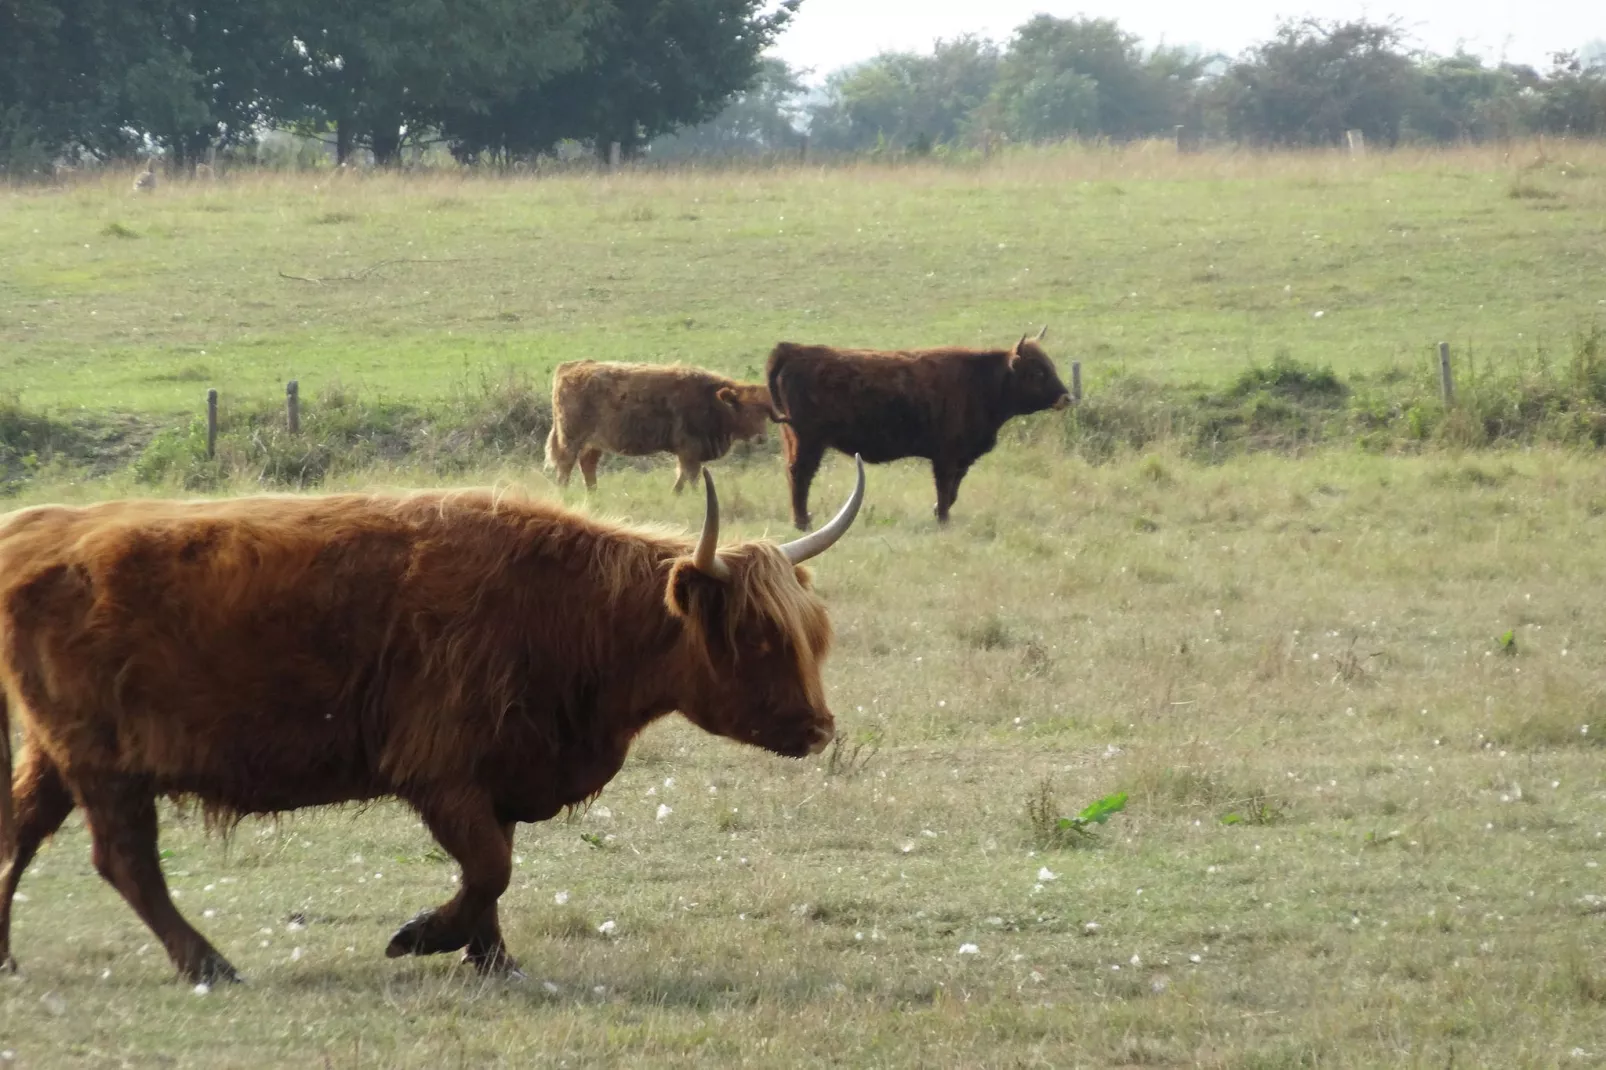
827, 34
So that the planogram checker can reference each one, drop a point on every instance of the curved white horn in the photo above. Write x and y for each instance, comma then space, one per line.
706, 559
816, 543
1040, 333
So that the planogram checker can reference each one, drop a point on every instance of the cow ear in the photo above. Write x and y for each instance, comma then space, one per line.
698, 599
728, 395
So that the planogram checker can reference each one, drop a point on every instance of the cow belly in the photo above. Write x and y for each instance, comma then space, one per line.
876, 444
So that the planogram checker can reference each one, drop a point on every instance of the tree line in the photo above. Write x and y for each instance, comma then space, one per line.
107, 79
1055, 78
507, 80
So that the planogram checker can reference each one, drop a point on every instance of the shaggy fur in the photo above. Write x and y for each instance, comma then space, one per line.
486, 660
638, 409
945, 405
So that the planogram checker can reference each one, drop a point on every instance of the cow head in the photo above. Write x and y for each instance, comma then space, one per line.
748, 409
755, 635
1034, 385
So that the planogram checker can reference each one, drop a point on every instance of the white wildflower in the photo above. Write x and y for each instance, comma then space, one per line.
969, 949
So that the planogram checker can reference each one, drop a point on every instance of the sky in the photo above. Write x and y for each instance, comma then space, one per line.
827, 34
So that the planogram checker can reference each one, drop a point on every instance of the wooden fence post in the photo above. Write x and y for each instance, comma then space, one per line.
803, 150
1446, 384
292, 405
1076, 381
1357, 142
211, 422
613, 155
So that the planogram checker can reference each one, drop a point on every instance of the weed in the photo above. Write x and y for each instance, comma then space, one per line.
846, 758
117, 230
991, 632
1522, 189
1257, 808
1051, 830
1348, 665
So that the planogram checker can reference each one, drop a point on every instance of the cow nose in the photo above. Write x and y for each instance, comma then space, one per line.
822, 738
1062, 402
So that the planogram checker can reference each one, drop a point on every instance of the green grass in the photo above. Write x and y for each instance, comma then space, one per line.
1141, 262
1362, 827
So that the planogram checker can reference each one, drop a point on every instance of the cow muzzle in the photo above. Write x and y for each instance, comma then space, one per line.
822, 737
1062, 402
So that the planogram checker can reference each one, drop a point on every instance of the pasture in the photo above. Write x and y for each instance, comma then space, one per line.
1356, 699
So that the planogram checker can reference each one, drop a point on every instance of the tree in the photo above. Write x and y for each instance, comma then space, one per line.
376, 72
906, 99
650, 66
1314, 80
761, 119
1573, 97
1461, 99
114, 77
1086, 77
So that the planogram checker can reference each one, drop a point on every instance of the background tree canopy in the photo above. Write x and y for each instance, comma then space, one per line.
507, 80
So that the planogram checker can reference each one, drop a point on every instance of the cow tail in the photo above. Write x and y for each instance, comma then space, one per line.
772, 375
8, 823
553, 441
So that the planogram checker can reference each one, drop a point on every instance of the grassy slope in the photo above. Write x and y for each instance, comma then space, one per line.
1312, 643
1182, 269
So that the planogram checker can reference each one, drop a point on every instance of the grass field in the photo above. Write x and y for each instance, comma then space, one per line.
1357, 701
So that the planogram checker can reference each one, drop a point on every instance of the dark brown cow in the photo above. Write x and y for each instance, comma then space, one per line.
945, 405
637, 409
485, 660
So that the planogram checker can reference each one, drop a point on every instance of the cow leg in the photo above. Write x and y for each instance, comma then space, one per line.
41, 803
122, 828
486, 951
802, 462
687, 469
947, 475
466, 826
588, 466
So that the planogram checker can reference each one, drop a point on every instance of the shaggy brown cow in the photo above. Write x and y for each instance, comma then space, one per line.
945, 405
485, 660
637, 409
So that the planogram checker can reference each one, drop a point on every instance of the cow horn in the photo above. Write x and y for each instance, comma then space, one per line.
816, 543
1040, 333
706, 559
1020, 343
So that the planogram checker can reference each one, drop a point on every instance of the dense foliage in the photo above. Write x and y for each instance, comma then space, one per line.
507, 80
99, 79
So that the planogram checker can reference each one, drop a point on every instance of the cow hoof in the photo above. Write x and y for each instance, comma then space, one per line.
8, 963
422, 936
213, 969
497, 963
409, 939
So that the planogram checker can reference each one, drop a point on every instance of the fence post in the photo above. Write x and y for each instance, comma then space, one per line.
1446, 385
1076, 381
1357, 142
613, 155
803, 150
211, 422
292, 405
